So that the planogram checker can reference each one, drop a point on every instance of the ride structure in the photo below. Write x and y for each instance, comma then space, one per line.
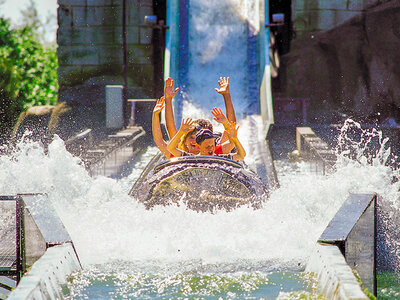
203, 183
227, 183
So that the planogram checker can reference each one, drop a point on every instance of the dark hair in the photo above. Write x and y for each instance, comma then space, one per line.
204, 134
203, 123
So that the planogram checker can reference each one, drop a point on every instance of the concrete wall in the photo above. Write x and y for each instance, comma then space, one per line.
90, 49
48, 275
335, 279
321, 15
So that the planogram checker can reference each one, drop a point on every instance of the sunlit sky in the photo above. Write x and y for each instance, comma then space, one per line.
11, 9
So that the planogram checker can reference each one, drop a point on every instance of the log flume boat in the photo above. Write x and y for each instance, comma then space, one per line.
202, 183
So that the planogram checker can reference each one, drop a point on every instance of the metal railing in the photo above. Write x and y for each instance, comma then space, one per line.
314, 149
97, 154
110, 150
12, 246
80, 142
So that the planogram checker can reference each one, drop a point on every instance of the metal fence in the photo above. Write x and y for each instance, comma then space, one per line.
12, 236
313, 149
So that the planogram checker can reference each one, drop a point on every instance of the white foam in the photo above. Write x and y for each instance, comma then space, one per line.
106, 224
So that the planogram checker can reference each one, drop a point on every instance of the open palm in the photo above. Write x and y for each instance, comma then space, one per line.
223, 85
169, 90
159, 105
219, 115
186, 125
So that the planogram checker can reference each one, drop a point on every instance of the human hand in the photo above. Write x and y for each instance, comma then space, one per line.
223, 85
232, 130
159, 105
219, 115
169, 90
186, 125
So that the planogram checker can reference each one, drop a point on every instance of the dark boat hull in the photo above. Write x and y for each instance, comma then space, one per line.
203, 183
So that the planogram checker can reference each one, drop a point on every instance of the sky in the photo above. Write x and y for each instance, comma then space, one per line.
10, 9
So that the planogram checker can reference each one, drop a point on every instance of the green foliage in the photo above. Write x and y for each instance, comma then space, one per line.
388, 285
365, 290
28, 72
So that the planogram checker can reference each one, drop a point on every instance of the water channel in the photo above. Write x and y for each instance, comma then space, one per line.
172, 252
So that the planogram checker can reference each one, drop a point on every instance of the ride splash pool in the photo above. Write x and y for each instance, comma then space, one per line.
189, 280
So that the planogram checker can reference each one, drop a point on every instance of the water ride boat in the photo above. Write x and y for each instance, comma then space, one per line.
203, 183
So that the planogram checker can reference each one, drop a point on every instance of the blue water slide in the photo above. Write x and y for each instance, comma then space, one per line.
176, 63
176, 49
266, 104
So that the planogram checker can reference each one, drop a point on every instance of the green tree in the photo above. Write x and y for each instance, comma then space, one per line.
30, 18
28, 73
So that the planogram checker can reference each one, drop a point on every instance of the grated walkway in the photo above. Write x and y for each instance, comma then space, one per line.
7, 259
7, 235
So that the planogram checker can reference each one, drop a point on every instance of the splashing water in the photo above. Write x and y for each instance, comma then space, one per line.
107, 225
367, 155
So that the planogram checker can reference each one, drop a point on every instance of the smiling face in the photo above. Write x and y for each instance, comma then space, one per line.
190, 143
207, 147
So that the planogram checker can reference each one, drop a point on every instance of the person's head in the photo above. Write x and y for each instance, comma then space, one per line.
203, 123
205, 138
188, 141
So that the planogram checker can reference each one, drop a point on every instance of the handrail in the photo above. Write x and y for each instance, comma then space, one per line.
15, 268
313, 148
95, 156
78, 143
133, 102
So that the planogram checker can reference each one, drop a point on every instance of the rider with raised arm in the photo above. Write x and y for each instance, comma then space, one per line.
185, 128
225, 146
187, 142
206, 141
156, 128
170, 92
224, 91
205, 138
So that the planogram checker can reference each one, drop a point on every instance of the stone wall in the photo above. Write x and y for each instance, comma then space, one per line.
90, 49
321, 15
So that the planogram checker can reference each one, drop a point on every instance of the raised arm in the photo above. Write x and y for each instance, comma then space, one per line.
173, 144
232, 134
224, 91
156, 128
170, 93
219, 116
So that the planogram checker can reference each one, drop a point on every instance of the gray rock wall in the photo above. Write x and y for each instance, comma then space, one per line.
351, 70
